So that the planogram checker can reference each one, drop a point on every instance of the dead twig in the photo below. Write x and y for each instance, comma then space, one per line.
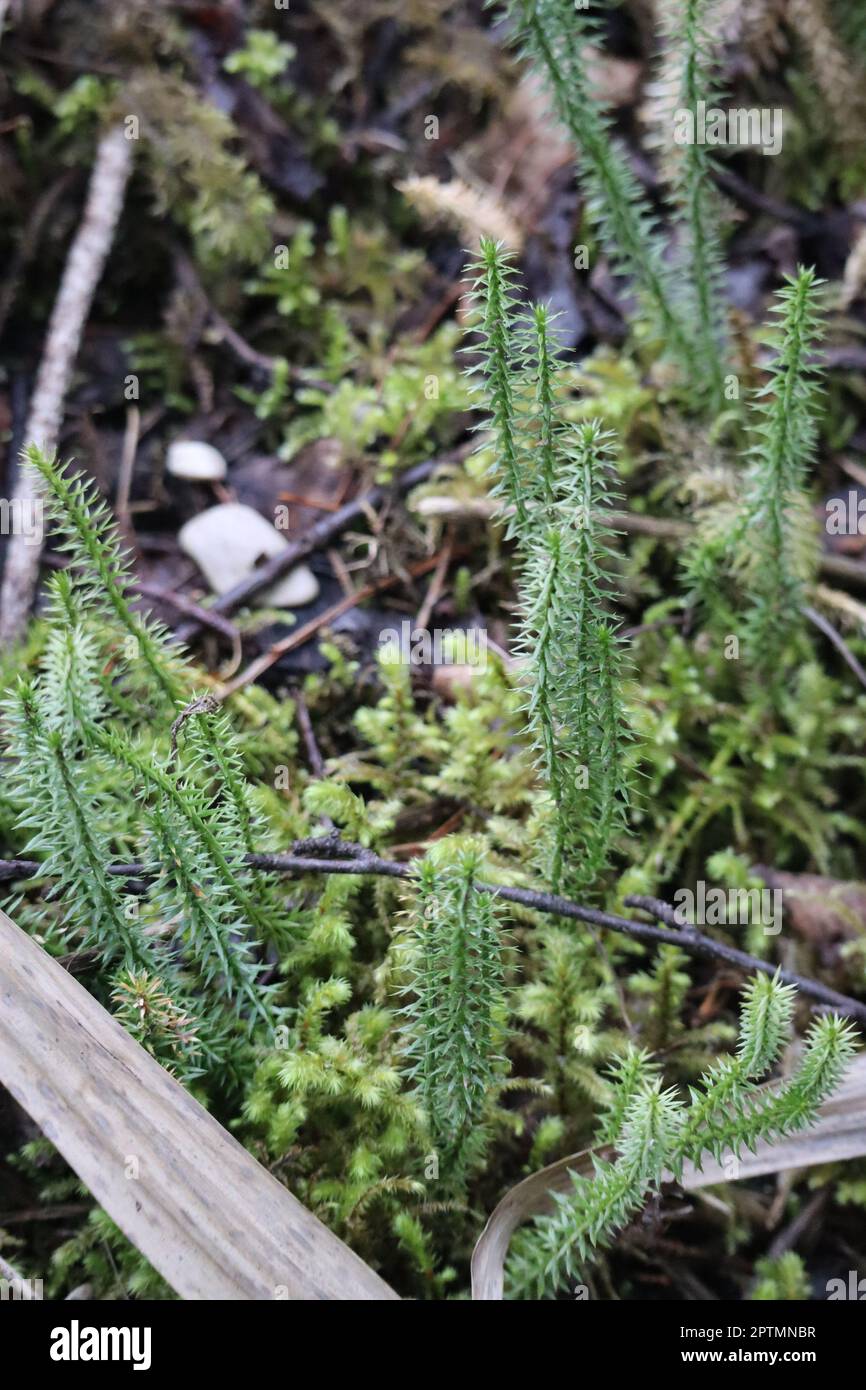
837, 640
305, 724
61, 1212
204, 704
191, 609
756, 201
317, 537
223, 332
437, 583
662, 527
303, 634
81, 274
321, 856
127, 464
314, 756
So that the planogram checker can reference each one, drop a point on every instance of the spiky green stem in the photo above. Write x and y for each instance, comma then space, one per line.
769, 536
554, 36
453, 1024
494, 295
93, 546
696, 204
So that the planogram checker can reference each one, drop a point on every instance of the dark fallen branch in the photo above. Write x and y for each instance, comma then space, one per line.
329, 854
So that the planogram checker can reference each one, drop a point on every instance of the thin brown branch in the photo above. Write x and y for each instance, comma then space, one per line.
191, 609
837, 640
757, 201
225, 333
314, 755
303, 634
305, 724
28, 244
203, 704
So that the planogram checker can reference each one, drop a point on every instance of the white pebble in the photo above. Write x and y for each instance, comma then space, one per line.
228, 542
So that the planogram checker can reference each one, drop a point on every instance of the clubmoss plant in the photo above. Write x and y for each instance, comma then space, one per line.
680, 290
653, 1132
67, 728
776, 513
556, 479
363, 1055
454, 1019
554, 36
753, 559
696, 206
89, 539
493, 290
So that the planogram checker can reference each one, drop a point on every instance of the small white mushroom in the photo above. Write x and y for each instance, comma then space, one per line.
196, 461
